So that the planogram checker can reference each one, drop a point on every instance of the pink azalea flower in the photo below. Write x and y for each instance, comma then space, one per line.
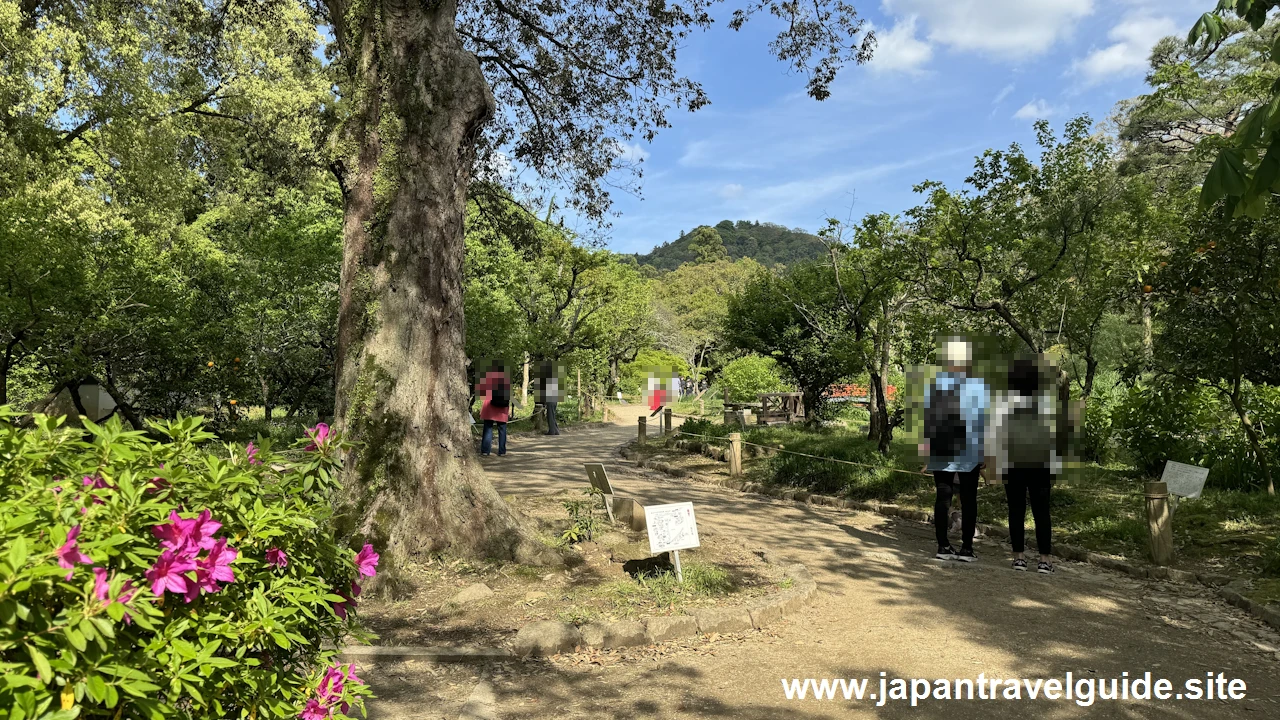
277, 557
94, 482
367, 561
169, 573
203, 529
252, 452
313, 711
218, 562
187, 536
318, 434
351, 676
101, 588
340, 609
330, 688
69, 554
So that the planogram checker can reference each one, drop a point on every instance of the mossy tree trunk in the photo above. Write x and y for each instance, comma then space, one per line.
414, 484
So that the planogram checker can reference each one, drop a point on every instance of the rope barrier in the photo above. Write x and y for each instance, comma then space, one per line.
815, 457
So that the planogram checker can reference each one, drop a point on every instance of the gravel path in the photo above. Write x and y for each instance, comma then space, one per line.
884, 606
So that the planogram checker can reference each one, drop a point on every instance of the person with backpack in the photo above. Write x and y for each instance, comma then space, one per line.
955, 409
495, 407
1025, 457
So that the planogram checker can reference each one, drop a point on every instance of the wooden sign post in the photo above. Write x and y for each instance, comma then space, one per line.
735, 454
1159, 522
672, 528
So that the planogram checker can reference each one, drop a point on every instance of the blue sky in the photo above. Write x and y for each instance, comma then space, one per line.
950, 78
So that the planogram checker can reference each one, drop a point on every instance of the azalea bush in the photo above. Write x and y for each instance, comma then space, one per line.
148, 579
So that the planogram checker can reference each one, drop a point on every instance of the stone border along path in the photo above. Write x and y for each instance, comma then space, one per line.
1226, 587
548, 637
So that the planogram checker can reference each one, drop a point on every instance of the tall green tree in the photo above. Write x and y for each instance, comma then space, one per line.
797, 318
1220, 312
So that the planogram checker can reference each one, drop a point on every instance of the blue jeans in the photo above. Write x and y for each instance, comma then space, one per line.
486, 440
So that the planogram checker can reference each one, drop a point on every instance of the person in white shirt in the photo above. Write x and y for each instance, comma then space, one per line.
1022, 434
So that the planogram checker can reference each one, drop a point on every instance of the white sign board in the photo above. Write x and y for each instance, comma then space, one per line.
671, 527
1184, 480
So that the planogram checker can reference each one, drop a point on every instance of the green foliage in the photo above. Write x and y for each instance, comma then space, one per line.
748, 376
634, 376
89, 637
1247, 168
766, 243
707, 245
582, 515
796, 319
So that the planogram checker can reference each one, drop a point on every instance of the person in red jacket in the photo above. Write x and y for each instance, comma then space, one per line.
657, 394
495, 407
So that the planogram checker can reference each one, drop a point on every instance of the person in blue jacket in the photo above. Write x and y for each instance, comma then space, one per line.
955, 428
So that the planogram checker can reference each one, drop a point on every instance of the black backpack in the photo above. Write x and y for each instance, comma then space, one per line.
943, 424
501, 396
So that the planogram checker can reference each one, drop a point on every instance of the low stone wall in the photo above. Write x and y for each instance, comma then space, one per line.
548, 637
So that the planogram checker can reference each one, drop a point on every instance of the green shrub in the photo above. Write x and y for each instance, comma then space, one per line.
157, 579
633, 377
747, 377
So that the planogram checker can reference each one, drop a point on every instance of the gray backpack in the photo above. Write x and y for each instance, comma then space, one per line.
1029, 440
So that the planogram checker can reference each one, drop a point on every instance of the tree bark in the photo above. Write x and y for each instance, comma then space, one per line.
1148, 334
414, 484
1254, 440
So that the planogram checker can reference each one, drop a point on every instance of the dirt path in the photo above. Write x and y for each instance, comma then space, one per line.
884, 606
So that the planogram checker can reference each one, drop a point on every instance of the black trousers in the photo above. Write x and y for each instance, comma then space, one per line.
552, 428
1018, 486
949, 484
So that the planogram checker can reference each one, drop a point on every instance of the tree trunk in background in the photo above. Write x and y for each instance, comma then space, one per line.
414, 483
524, 387
886, 432
873, 409
1090, 371
1148, 335
1255, 441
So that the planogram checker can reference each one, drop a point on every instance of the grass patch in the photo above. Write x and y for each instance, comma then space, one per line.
701, 580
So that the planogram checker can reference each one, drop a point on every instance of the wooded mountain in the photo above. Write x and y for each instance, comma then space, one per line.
767, 243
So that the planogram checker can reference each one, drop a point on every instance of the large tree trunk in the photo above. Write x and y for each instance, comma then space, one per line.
413, 483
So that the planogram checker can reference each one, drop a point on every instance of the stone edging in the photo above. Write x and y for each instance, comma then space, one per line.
1226, 587
548, 637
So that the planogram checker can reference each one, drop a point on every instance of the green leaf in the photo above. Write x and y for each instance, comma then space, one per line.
96, 687
1227, 177
18, 553
41, 663
76, 638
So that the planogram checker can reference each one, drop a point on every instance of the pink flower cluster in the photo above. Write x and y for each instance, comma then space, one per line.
329, 693
319, 435
70, 555
366, 564
252, 451
182, 541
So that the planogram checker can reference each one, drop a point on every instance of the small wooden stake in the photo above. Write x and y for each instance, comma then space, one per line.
735, 454
643, 430
1160, 522
675, 558
666, 421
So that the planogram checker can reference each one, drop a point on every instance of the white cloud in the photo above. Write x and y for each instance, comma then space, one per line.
631, 152
731, 190
1132, 40
1003, 94
1011, 29
898, 49
1035, 110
